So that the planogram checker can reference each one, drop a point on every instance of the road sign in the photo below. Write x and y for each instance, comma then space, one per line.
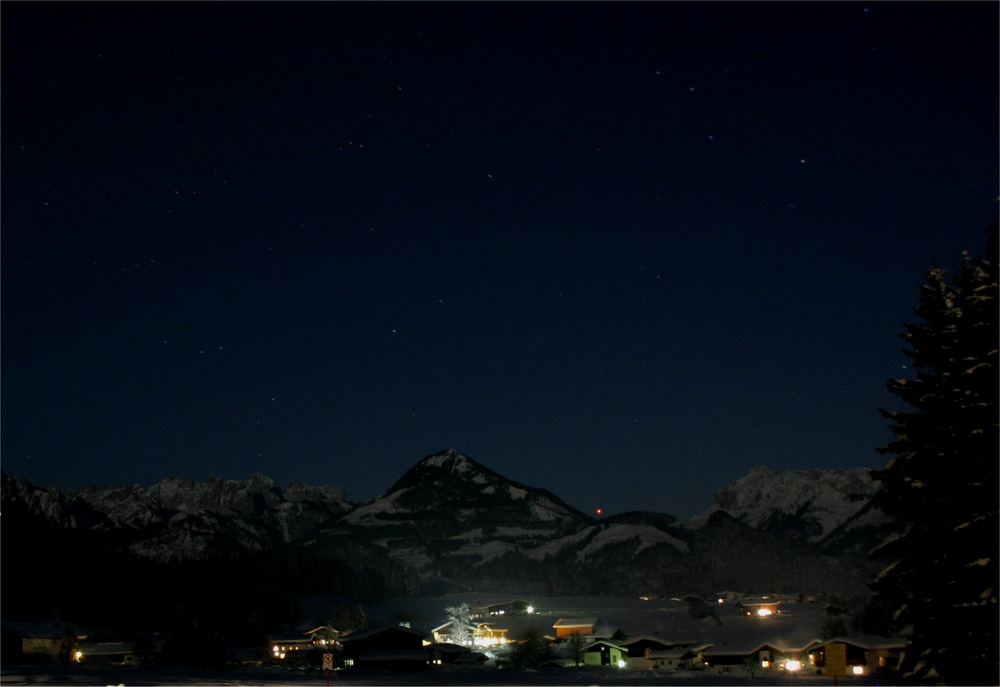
836, 659
327, 661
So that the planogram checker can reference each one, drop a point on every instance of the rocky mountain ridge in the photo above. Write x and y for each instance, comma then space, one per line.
810, 504
178, 519
450, 522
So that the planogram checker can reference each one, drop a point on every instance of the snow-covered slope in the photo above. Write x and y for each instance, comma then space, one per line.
450, 506
809, 503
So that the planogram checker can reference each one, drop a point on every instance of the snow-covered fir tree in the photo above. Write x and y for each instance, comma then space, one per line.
940, 589
461, 624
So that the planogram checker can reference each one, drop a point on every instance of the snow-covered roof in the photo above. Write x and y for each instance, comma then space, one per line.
734, 649
379, 630
650, 638
869, 642
575, 622
600, 642
672, 653
107, 648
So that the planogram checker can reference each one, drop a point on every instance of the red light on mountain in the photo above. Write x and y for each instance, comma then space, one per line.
598, 511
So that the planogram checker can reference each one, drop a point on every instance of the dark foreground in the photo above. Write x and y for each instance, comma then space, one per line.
97, 675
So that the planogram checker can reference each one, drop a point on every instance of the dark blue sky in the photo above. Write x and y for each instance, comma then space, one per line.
624, 252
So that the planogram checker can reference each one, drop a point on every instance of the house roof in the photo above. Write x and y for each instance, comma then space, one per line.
442, 626
760, 602
575, 622
379, 630
673, 653
602, 641
499, 604
869, 642
649, 638
747, 649
107, 648
734, 650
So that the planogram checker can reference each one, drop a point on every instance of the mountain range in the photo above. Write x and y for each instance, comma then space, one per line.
451, 524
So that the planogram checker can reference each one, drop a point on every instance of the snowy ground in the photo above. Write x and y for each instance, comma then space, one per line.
659, 617
132, 677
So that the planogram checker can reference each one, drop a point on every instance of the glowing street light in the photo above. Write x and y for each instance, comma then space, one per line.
858, 670
792, 665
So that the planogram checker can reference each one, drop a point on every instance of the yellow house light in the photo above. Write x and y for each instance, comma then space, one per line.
765, 664
78, 656
793, 665
858, 670
764, 612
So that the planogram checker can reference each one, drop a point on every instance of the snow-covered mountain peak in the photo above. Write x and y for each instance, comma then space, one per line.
819, 500
450, 459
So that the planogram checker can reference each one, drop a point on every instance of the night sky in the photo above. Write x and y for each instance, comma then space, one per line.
624, 252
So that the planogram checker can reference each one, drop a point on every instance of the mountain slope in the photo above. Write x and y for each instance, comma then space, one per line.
450, 523
806, 504
448, 506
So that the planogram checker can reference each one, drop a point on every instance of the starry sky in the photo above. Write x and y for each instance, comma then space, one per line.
625, 252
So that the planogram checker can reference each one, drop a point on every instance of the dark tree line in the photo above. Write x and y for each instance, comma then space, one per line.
940, 589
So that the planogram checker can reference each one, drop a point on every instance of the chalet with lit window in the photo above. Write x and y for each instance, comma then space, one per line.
605, 653
516, 607
863, 654
773, 656
483, 634
679, 658
641, 648
760, 607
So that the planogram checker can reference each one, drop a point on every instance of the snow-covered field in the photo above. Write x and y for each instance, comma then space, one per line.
669, 619
131, 677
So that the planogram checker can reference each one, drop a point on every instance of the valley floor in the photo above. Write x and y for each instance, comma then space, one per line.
276, 677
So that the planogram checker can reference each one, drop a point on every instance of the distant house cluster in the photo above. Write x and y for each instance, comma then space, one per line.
570, 642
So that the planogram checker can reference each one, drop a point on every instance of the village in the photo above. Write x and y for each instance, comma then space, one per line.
731, 635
